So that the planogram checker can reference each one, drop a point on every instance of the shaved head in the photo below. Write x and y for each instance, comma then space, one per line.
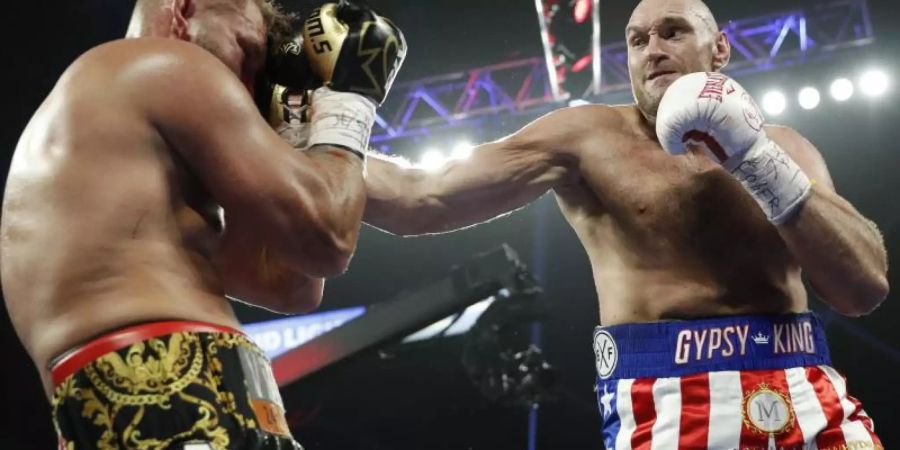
694, 8
667, 39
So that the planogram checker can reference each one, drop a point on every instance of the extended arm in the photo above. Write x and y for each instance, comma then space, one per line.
499, 177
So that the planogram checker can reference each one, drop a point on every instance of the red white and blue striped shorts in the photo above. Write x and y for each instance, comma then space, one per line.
743, 382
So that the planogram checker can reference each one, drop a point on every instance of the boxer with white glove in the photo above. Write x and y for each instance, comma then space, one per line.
712, 111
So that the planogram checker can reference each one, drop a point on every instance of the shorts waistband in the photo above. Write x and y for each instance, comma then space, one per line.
673, 349
74, 360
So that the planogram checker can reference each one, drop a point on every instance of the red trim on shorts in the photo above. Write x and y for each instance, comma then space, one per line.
74, 360
694, 427
793, 438
750, 382
832, 436
644, 411
858, 415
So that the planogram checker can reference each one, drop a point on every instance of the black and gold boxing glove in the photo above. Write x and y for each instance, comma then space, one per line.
353, 49
356, 54
284, 87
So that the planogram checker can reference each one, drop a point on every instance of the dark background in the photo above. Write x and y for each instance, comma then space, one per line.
858, 139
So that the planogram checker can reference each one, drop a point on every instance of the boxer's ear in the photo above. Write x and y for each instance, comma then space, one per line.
181, 11
721, 51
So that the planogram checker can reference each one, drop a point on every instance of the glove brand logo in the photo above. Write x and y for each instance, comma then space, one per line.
392, 52
291, 48
715, 88
315, 28
751, 112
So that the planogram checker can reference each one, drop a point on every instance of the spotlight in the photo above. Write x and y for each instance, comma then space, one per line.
462, 150
842, 89
578, 102
874, 83
432, 160
582, 10
774, 103
582, 63
809, 98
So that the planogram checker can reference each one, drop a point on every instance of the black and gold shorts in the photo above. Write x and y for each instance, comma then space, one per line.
168, 385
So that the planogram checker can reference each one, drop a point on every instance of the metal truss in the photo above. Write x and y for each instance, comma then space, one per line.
456, 99
759, 44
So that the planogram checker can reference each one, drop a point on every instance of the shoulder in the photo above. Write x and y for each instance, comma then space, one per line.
587, 117
568, 129
791, 141
146, 60
782, 133
801, 150
133, 50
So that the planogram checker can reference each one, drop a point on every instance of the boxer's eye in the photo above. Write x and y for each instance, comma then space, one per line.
672, 33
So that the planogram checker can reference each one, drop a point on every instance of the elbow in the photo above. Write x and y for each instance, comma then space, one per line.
305, 298
324, 237
866, 298
300, 304
328, 253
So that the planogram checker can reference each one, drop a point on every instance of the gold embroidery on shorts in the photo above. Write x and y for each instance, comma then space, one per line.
150, 375
768, 411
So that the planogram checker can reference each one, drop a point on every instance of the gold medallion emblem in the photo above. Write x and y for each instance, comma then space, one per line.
768, 411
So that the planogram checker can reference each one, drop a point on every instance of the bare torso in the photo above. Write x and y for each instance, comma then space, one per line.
102, 225
672, 237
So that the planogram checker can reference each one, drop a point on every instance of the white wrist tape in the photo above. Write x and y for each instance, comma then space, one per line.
772, 177
341, 118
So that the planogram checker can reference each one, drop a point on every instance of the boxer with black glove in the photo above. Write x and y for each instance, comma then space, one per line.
149, 187
350, 56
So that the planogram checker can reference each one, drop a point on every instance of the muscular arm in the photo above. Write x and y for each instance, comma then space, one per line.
296, 214
841, 252
498, 178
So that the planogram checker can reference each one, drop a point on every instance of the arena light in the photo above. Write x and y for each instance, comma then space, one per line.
432, 160
462, 150
841, 89
874, 83
582, 11
774, 103
809, 98
578, 102
583, 63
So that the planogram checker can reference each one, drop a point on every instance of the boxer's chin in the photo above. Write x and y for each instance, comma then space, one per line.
648, 104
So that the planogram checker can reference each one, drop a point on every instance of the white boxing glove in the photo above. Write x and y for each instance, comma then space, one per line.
713, 112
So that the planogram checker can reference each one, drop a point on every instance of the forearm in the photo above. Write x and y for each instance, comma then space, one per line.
410, 201
395, 201
841, 252
331, 185
498, 178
